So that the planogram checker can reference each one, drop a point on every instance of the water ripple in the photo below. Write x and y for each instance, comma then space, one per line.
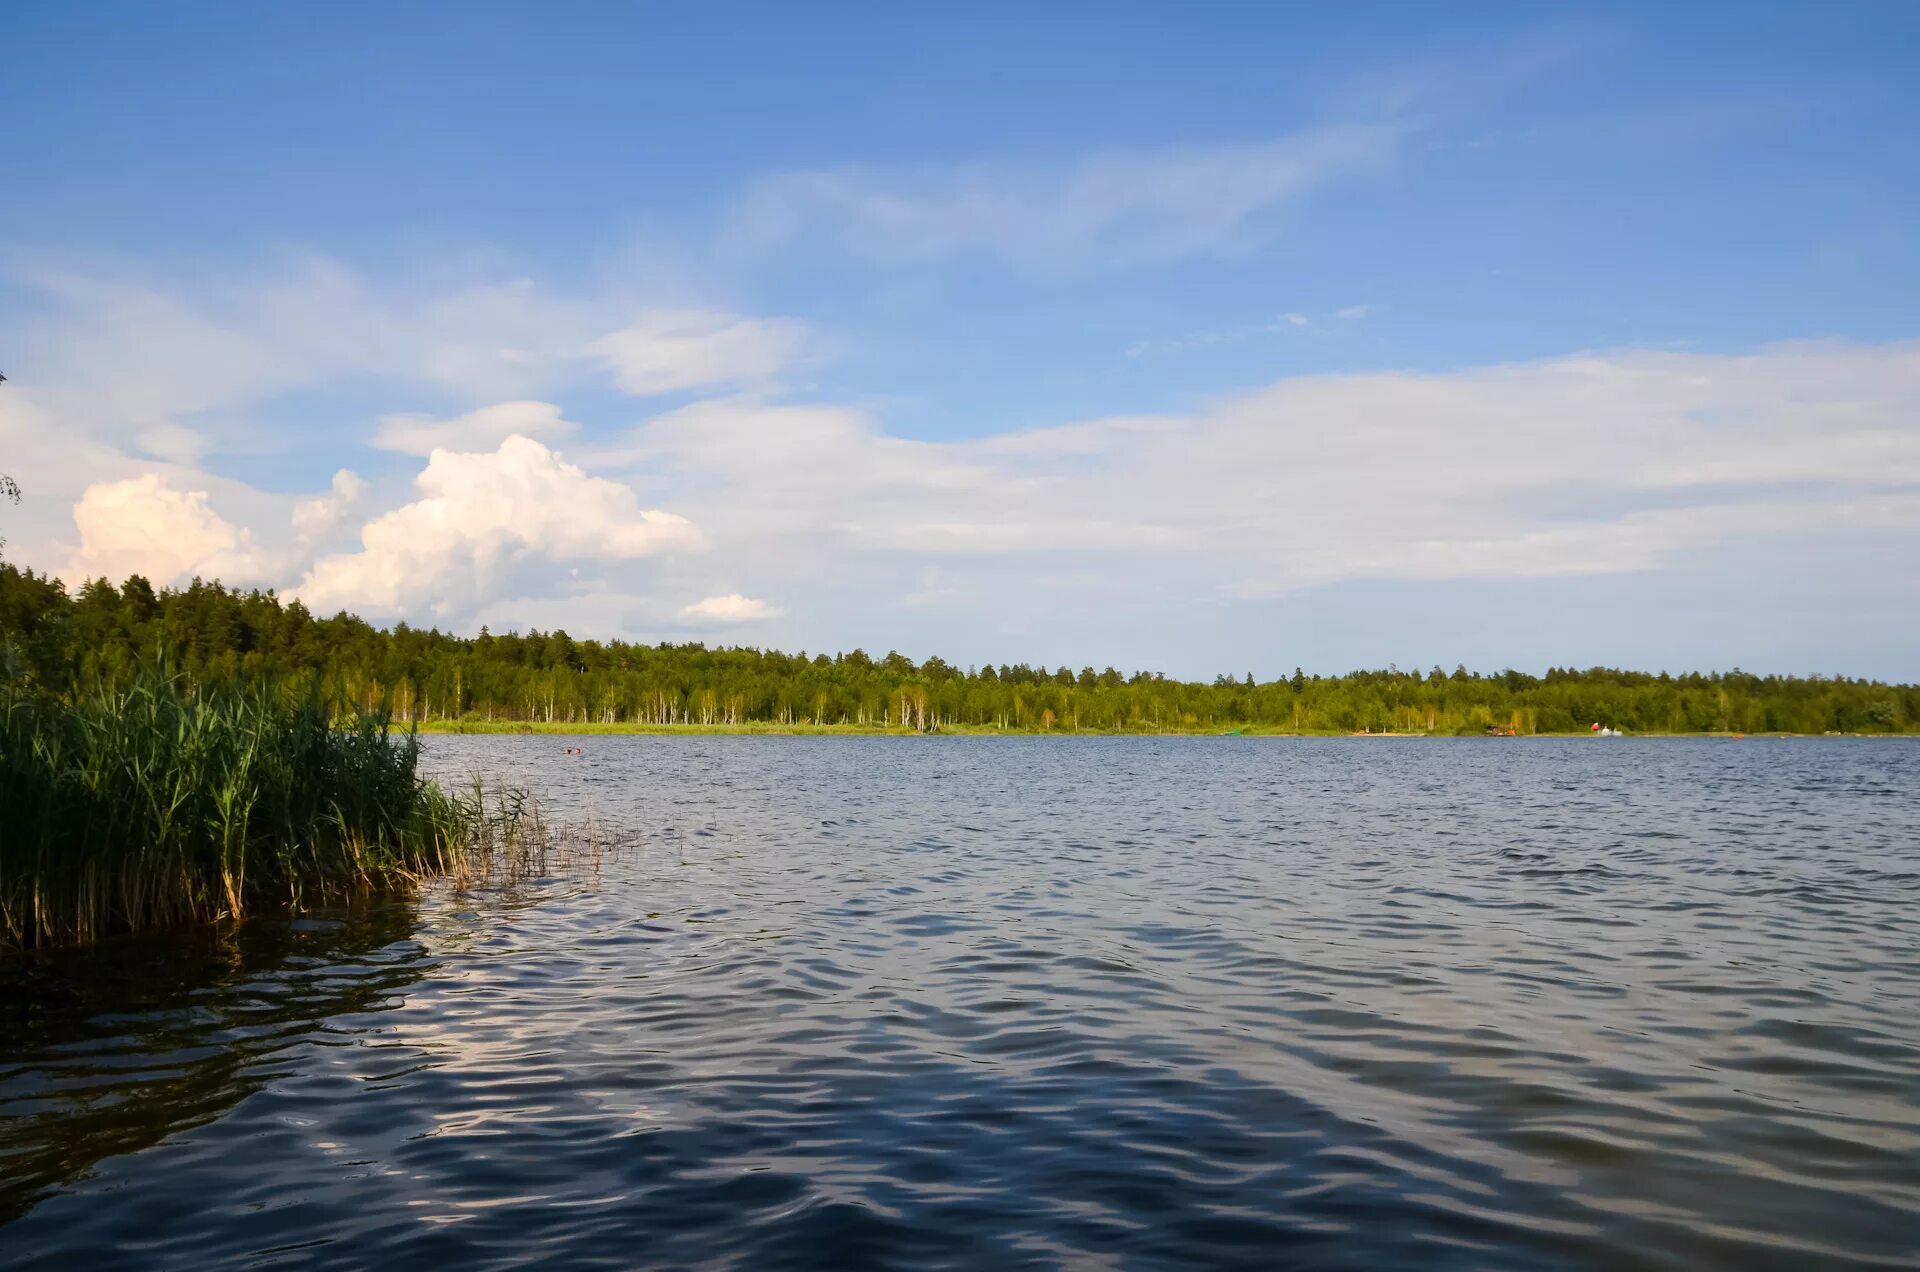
956, 1002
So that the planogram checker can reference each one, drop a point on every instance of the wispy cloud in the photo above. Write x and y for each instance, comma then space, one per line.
1210, 337
1115, 206
663, 351
1578, 465
118, 350
483, 429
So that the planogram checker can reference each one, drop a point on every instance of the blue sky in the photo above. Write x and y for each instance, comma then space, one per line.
1194, 337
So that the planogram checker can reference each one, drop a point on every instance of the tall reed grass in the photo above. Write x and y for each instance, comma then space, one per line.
158, 803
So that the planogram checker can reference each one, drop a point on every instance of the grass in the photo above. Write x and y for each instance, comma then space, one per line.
159, 804
767, 728
756, 727
807, 728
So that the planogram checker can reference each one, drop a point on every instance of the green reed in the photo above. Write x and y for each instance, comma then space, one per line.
160, 803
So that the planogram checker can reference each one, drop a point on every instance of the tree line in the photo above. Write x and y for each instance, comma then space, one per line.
103, 634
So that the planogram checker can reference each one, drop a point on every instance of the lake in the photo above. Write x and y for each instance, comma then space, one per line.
953, 1002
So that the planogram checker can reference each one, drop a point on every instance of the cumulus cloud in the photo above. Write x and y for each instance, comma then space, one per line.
315, 518
483, 429
1120, 205
732, 608
144, 526
484, 521
663, 351
117, 370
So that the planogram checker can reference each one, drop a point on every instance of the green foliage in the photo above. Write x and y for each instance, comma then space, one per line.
157, 804
101, 634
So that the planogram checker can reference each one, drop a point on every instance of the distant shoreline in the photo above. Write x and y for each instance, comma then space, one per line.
211, 634
510, 728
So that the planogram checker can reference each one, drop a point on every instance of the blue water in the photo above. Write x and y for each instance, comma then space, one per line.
962, 1002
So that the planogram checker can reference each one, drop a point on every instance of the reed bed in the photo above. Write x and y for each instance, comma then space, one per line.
160, 804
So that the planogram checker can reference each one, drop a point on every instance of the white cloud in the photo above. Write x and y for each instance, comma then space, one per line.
663, 351
732, 608
1120, 205
143, 513
116, 372
483, 429
1207, 338
1580, 465
170, 369
144, 526
118, 349
315, 518
1609, 463
1353, 313
485, 521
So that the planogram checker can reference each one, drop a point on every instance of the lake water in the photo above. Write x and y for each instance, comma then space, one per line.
955, 1002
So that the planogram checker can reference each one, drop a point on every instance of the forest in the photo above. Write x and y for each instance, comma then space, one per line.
102, 635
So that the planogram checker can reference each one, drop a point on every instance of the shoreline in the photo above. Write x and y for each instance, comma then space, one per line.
509, 728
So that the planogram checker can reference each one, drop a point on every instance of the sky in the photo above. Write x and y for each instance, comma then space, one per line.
1199, 338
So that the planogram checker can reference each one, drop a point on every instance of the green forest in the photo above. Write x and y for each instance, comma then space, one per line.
104, 634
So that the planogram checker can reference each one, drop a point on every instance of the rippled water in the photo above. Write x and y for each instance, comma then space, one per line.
1348, 1003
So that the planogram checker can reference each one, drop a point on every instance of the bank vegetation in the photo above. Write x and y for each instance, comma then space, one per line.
101, 633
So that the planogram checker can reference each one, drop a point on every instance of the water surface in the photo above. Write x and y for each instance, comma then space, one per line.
948, 1002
